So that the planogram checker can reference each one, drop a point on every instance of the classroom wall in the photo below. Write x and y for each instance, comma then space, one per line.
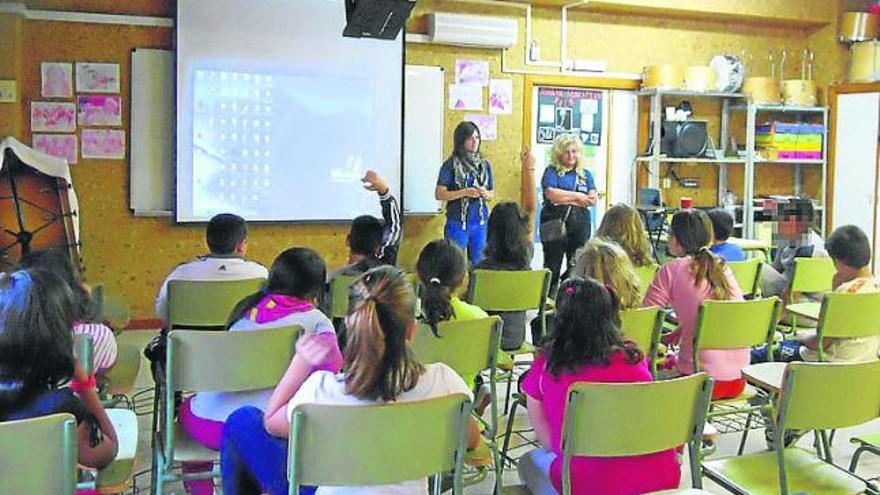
132, 255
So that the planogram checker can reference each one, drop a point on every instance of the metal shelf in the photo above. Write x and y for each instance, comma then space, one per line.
690, 160
791, 162
780, 108
684, 92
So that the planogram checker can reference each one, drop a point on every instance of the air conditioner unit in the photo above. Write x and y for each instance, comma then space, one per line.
472, 30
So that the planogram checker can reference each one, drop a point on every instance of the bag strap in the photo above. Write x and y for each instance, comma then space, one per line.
567, 212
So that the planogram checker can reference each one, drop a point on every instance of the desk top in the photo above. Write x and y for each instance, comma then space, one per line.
807, 309
765, 375
750, 244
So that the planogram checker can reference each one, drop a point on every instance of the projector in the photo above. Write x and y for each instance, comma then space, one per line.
381, 19
684, 139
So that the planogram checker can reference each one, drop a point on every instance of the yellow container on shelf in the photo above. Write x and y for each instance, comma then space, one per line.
665, 76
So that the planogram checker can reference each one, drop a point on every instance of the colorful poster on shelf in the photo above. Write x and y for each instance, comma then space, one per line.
99, 110
465, 97
50, 116
97, 78
103, 143
501, 96
569, 111
56, 80
487, 124
472, 72
8, 94
60, 145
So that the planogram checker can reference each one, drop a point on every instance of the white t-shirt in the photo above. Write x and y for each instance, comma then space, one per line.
217, 406
209, 268
323, 387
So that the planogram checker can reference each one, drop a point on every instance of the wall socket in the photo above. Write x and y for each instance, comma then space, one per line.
666, 183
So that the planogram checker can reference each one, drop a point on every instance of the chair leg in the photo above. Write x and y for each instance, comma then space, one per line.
745, 436
826, 446
153, 432
855, 459
507, 393
509, 432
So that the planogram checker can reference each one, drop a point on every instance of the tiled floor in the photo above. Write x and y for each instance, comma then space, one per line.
727, 444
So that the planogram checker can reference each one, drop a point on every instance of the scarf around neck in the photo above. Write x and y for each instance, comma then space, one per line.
473, 164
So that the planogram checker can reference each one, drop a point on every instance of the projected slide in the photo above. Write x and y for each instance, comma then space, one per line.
260, 140
279, 116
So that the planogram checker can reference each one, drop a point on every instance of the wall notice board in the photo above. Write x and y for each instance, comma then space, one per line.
152, 125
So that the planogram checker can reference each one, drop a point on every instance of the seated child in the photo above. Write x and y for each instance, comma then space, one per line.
586, 346
607, 263
296, 280
623, 225
508, 247
39, 375
722, 225
694, 276
86, 320
379, 368
799, 241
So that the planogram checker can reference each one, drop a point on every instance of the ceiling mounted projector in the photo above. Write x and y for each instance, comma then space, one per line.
472, 30
382, 19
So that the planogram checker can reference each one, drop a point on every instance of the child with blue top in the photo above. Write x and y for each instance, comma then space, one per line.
466, 184
722, 224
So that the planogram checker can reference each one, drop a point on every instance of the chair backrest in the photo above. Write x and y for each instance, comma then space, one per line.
376, 444
206, 304
735, 324
84, 351
747, 274
825, 396
607, 419
812, 275
642, 326
48, 463
339, 290
468, 346
849, 315
646, 276
508, 290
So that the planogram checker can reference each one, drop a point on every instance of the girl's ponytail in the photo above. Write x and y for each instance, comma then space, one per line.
441, 269
710, 267
693, 231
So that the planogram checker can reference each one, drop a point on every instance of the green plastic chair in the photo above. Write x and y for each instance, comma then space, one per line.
606, 420
47, 464
844, 315
726, 325
339, 288
83, 351
382, 444
747, 274
199, 361
120, 379
865, 443
508, 290
469, 347
196, 304
811, 275
646, 276
642, 326
815, 396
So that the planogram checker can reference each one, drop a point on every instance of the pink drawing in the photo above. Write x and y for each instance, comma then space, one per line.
472, 72
60, 145
56, 80
47, 116
103, 143
501, 96
487, 124
97, 78
99, 110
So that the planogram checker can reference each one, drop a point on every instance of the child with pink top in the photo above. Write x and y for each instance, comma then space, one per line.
586, 346
697, 275
296, 281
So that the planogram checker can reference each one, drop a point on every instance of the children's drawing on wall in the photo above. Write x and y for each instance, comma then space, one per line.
569, 110
8, 94
97, 78
472, 72
96, 110
48, 116
501, 96
103, 143
60, 145
56, 80
465, 97
487, 124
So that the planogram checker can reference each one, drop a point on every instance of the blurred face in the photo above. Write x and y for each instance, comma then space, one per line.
675, 247
472, 143
570, 156
791, 229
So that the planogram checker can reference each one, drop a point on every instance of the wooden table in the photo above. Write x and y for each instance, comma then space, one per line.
753, 245
806, 309
767, 376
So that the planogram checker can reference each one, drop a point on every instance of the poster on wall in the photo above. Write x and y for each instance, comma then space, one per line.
97, 78
48, 116
56, 80
501, 96
569, 111
472, 72
8, 94
99, 110
486, 123
465, 97
103, 143
60, 145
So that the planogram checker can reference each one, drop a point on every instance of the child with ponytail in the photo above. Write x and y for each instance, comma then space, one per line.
379, 368
694, 276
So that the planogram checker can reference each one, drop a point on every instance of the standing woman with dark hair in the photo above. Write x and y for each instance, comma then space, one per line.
466, 184
569, 192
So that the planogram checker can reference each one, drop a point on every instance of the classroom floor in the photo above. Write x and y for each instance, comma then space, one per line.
727, 444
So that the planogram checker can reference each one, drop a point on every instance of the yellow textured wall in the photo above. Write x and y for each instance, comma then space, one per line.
132, 255
10, 69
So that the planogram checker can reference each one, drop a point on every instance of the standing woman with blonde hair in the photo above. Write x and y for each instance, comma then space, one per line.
569, 192
466, 184
623, 225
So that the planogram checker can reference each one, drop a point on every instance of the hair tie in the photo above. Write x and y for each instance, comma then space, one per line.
435, 281
608, 288
569, 290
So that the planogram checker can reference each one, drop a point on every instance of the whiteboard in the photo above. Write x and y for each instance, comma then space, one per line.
152, 131
422, 138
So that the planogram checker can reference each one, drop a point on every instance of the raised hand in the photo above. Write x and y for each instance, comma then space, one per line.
374, 182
